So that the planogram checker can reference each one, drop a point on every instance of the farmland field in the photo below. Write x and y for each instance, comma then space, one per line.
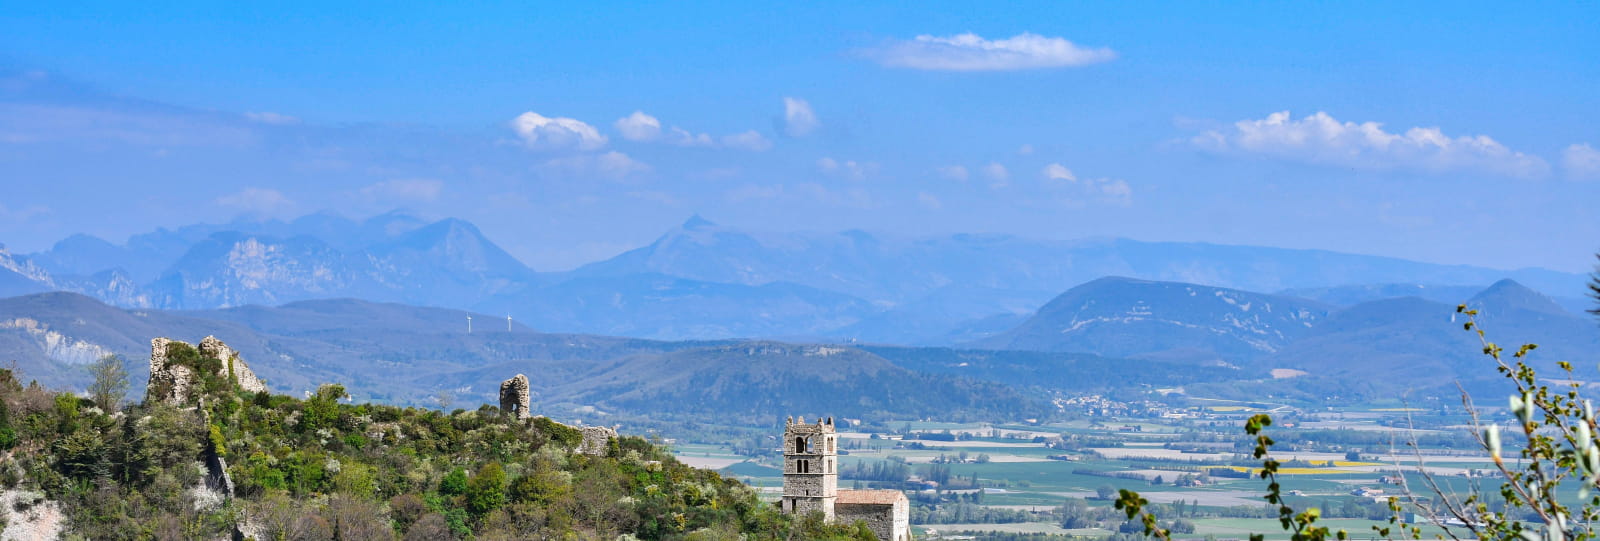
1191, 464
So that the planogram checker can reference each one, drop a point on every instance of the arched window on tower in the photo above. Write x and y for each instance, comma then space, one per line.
802, 467
799, 445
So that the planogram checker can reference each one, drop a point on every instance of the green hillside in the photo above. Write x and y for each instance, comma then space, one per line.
322, 468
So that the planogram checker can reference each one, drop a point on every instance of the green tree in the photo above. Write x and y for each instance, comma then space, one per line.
486, 491
454, 483
322, 409
110, 383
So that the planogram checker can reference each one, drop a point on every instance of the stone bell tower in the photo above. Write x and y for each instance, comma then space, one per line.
810, 467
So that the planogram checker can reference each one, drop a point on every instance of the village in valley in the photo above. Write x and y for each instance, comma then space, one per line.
1187, 455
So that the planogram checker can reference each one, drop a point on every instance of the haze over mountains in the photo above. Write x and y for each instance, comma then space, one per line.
382, 306
701, 280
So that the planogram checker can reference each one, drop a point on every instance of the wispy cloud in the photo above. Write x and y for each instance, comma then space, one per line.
50, 123
642, 127
403, 190
848, 169
545, 133
276, 119
798, 118
929, 201
639, 127
1322, 139
971, 52
1581, 162
751, 140
263, 202
21, 215
957, 173
1060, 179
998, 175
611, 165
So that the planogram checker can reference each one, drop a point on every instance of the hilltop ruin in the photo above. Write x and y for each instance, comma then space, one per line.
176, 369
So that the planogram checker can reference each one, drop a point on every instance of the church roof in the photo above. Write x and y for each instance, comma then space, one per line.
869, 497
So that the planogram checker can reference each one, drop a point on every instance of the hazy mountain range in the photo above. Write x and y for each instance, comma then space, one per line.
1106, 334
705, 281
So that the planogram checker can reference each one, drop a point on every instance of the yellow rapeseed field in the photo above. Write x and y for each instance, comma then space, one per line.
1296, 471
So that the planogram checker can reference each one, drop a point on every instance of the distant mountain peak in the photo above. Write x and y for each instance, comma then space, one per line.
696, 222
1508, 294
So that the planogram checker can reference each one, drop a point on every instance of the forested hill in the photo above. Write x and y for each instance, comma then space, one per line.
321, 468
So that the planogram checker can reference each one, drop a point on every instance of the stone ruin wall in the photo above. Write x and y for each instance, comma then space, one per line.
888, 522
179, 379
176, 379
514, 396
247, 380
595, 439
514, 400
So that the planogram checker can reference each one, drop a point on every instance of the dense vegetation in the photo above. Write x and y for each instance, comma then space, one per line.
321, 468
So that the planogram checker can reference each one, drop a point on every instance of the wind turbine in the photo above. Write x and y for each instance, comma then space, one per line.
469, 323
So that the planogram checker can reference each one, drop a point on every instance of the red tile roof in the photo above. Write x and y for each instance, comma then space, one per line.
869, 497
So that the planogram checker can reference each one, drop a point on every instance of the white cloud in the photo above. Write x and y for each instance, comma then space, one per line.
998, 175
1113, 191
264, 202
618, 165
638, 127
681, 137
971, 52
1056, 171
545, 133
750, 140
272, 118
611, 165
798, 118
929, 201
1025, 150
25, 123
418, 190
643, 127
1581, 161
1321, 139
849, 169
957, 173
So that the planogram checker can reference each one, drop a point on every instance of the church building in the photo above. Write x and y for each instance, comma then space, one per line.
811, 483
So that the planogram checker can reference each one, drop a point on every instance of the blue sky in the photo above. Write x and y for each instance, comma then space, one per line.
1444, 132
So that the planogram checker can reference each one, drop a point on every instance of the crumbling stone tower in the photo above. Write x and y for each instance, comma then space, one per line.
514, 396
810, 467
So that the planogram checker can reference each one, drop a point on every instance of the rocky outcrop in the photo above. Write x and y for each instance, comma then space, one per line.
596, 439
514, 396
173, 382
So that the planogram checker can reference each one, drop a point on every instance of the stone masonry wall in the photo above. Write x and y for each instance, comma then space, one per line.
595, 439
514, 396
178, 380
